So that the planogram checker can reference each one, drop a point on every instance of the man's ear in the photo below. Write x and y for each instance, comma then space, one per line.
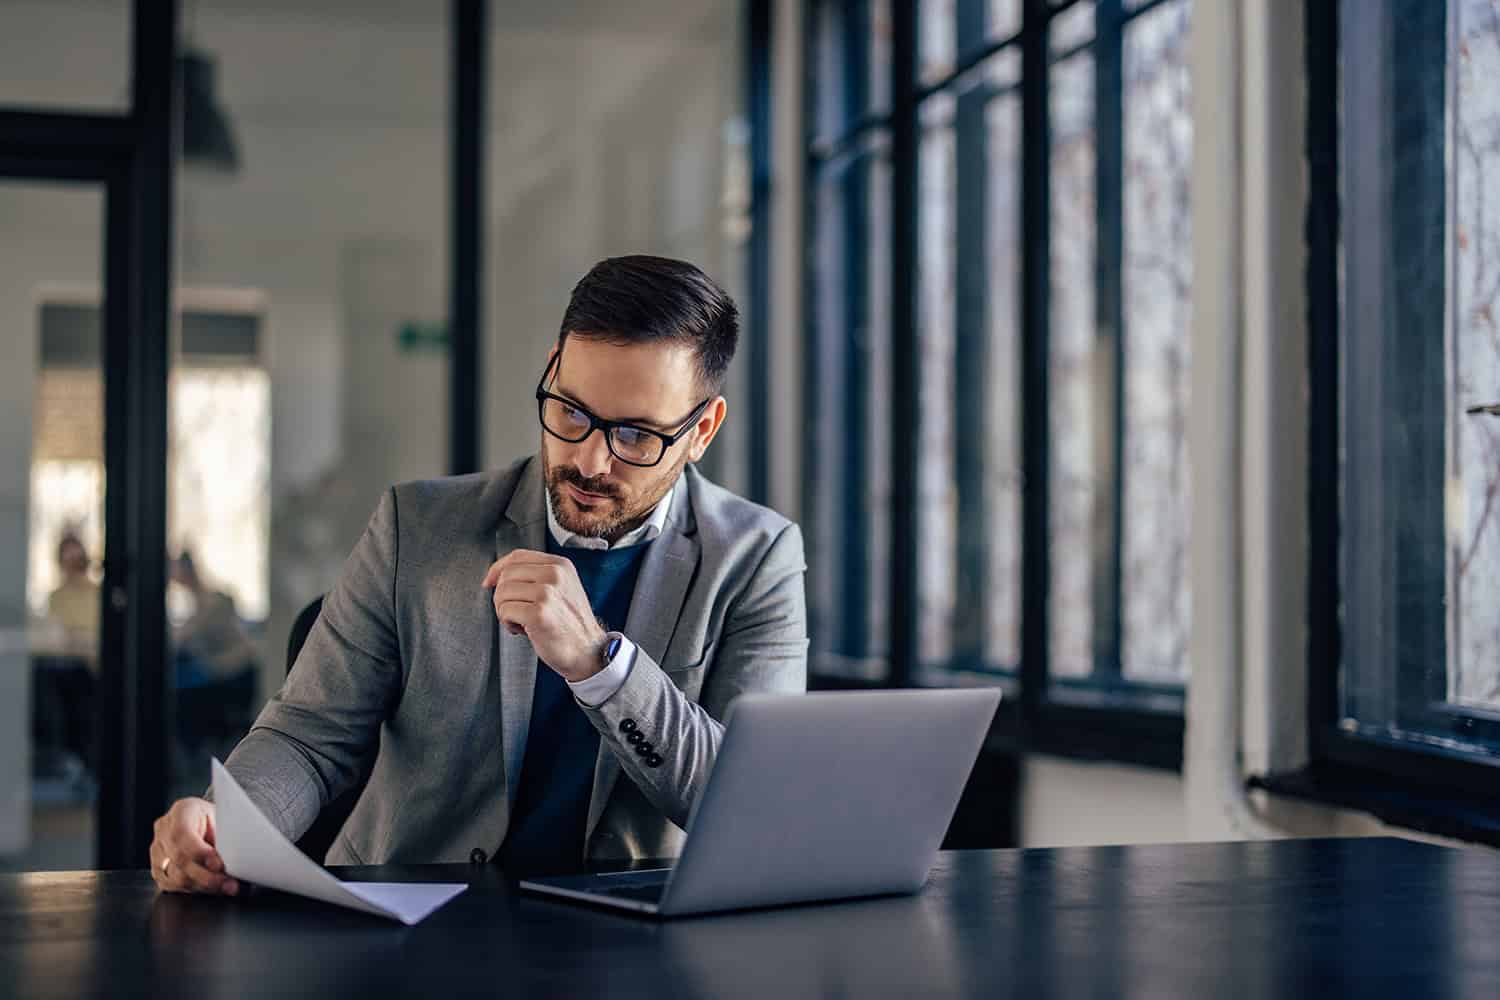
707, 428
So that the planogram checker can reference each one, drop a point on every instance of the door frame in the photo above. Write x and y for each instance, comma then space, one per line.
131, 156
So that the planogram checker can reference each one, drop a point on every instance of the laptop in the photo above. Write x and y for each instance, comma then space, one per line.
812, 797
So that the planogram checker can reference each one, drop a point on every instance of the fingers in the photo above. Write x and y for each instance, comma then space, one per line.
523, 591
182, 855
173, 872
517, 616
522, 558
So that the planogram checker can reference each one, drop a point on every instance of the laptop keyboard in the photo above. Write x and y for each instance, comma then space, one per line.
644, 893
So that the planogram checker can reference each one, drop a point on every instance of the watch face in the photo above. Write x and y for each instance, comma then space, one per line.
612, 648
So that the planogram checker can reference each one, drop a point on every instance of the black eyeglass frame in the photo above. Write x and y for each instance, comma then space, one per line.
608, 426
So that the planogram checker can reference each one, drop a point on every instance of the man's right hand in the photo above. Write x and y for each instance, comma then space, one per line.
183, 858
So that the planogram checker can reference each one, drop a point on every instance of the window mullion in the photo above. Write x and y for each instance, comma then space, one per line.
1109, 335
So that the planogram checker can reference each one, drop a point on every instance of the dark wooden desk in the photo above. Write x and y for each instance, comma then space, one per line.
1316, 918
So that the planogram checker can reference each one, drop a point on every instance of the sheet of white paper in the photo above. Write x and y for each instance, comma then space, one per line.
255, 851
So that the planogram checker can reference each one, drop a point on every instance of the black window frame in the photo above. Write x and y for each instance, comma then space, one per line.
1408, 782
1103, 716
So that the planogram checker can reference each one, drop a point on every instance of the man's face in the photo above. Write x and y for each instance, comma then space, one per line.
593, 493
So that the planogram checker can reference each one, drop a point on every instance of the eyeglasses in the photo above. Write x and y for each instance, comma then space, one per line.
631, 444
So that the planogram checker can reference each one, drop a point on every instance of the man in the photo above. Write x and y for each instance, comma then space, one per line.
544, 654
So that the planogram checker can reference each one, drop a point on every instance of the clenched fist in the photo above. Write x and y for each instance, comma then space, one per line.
541, 596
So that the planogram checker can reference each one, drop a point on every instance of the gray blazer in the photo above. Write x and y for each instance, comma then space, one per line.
408, 647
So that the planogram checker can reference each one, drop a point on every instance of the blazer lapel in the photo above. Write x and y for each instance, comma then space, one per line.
655, 608
523, 527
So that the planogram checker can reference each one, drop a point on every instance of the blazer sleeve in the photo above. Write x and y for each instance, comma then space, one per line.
309, 743
762, 647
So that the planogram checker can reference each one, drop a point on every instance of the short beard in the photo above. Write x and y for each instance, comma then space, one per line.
613, 528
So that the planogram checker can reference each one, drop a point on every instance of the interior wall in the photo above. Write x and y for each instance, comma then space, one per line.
637, 163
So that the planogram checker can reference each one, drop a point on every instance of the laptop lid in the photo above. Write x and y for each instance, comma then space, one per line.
828, 795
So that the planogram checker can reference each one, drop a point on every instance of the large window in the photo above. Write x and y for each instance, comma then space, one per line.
1048, 324
1404, 144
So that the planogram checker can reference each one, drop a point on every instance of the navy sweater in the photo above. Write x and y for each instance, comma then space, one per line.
557, 774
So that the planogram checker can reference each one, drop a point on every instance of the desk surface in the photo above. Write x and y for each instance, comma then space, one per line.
1324, 918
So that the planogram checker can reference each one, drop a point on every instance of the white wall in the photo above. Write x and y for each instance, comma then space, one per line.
629, 158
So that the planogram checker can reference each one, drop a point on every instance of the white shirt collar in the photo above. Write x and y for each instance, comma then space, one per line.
653, 526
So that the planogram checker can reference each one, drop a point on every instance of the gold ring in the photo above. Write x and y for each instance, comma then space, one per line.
165, 864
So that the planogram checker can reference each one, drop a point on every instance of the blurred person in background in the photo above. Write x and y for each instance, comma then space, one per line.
215, 663
74, 604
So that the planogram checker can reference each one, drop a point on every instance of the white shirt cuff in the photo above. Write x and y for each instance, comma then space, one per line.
596, 690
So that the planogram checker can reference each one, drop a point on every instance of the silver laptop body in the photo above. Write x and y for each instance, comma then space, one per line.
813, 797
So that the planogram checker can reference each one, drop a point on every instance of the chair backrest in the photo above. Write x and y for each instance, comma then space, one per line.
300, 628
320, 836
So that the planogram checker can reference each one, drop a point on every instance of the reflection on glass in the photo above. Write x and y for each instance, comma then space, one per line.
1072, 364
1474, 362
1157, 279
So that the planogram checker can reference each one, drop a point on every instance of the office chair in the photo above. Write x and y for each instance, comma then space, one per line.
320, 836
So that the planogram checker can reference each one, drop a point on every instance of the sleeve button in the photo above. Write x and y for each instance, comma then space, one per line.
628, 726
655, 760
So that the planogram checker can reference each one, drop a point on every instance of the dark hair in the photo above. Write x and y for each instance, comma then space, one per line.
639, 299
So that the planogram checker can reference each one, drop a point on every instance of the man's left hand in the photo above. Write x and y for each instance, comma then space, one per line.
540, 595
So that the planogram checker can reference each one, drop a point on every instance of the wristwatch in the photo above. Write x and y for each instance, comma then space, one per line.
612, 643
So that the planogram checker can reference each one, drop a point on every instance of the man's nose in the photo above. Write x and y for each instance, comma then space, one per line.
594, 458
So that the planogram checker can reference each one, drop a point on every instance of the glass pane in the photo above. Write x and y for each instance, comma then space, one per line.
1417, 357
51, 519
310, 369
940, 634
936, 24
1002, 489
65, 55
1474, 372
1005, 17
951, 29
969, 561
846, 520
1074, 365
1072, 27
1157, 277
880, 55
852, 64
